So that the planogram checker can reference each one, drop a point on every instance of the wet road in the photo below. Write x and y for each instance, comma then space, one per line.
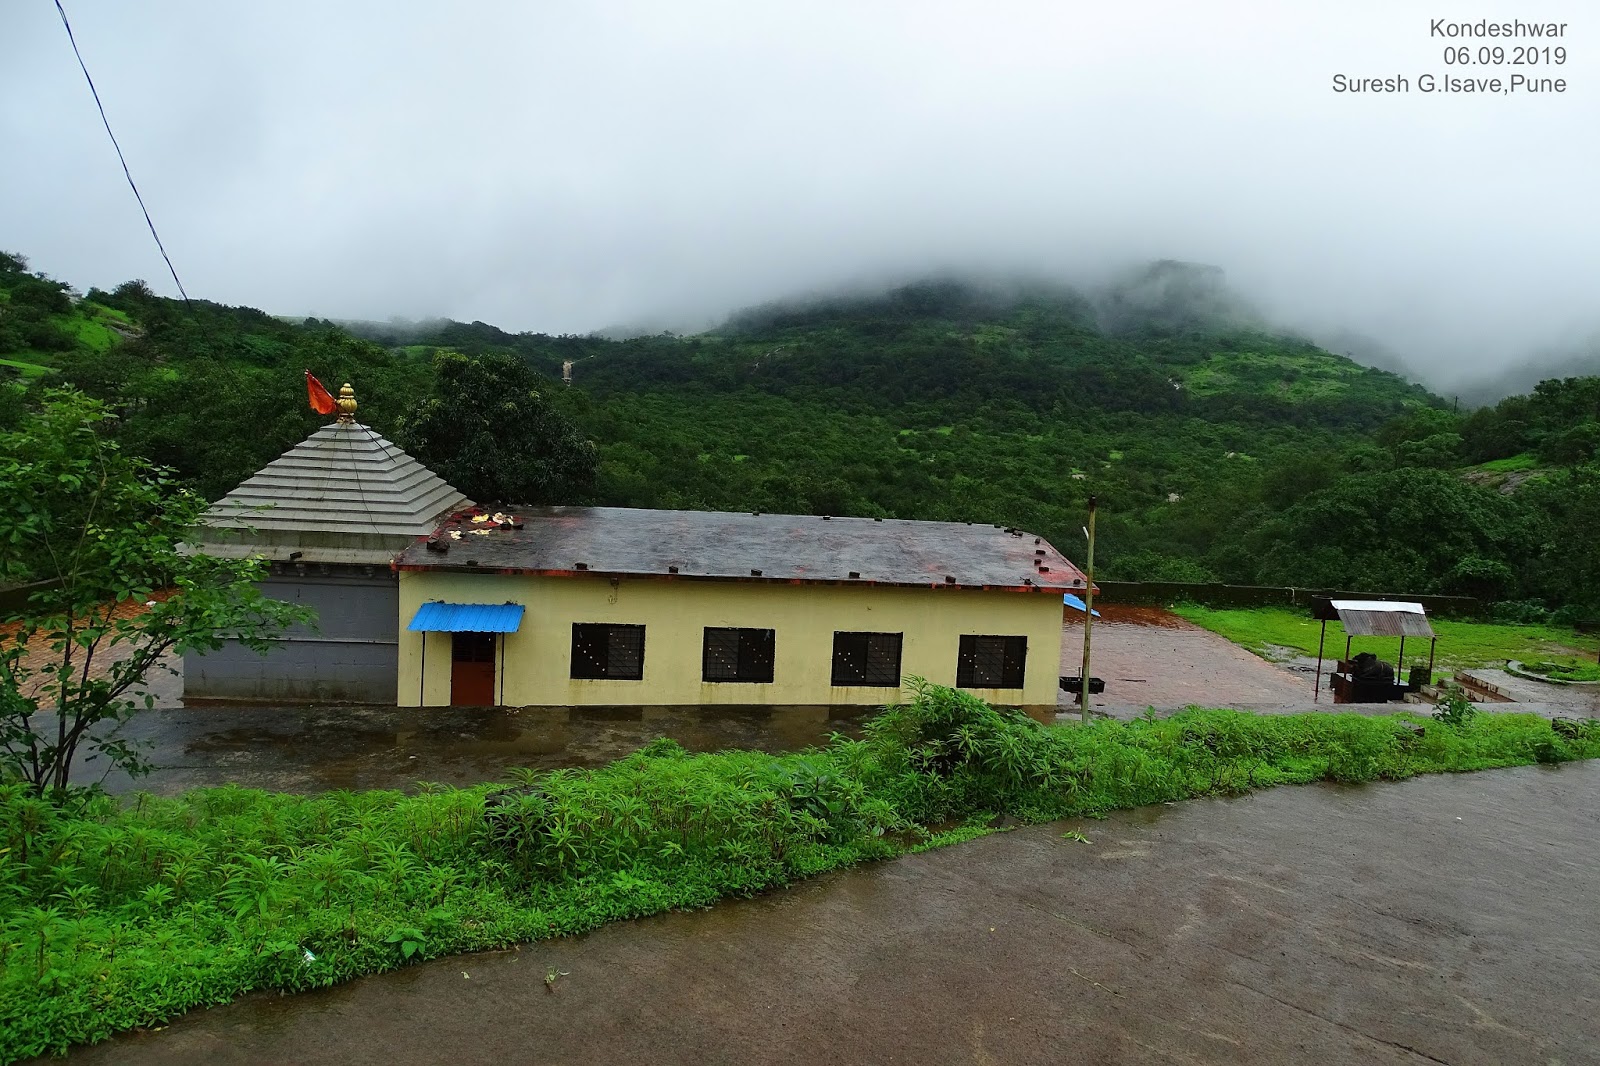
1445, 919
315, 749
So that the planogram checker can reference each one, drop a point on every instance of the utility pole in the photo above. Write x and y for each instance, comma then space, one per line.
1088, 620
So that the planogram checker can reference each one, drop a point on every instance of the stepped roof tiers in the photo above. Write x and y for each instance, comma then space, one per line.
330, 514
344, 495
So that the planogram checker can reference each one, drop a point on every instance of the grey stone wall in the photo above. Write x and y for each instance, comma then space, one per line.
350, 654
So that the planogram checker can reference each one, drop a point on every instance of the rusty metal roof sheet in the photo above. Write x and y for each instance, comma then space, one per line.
1376, 618
750, 547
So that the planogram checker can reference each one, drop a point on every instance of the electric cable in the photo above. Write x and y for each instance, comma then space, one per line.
120, 158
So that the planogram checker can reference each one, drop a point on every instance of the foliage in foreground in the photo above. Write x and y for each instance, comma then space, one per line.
95, 528
121, 914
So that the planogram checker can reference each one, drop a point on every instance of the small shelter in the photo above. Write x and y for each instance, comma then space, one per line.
1353, 683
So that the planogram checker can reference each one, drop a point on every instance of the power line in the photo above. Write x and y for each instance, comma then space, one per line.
125, 173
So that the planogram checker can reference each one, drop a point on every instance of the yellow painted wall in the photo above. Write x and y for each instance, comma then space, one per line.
537, 659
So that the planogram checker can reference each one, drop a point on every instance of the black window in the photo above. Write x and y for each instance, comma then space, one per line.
615, 652
991, 662
472, 647
871, 659
737, 655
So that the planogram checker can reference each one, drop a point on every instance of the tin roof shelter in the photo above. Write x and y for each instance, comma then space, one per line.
1372, 618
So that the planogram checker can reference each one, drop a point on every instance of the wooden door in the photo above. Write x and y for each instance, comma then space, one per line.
472, 670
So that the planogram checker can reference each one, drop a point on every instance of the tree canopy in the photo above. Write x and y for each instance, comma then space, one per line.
487, 430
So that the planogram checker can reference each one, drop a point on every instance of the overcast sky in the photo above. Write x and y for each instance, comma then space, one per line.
570, 166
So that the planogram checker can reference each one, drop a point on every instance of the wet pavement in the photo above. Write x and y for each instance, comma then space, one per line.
1444, 919
1152, 658
314, 749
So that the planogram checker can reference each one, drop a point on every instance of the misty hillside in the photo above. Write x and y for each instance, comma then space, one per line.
1216, 449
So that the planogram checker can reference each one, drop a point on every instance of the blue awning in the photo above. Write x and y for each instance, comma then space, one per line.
1072, 601
436, 616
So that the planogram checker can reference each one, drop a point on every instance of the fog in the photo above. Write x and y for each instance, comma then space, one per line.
567, 168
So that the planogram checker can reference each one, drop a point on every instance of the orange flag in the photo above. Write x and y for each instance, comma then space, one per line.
320, 398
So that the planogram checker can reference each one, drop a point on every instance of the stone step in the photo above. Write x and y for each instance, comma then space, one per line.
1480, 690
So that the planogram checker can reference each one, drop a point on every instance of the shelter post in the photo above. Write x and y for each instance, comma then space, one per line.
1088, 619
1316, 686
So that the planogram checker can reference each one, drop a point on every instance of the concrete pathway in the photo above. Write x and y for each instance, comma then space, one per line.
1149, 657
1443, 919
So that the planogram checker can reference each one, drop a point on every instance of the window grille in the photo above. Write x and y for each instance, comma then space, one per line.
867, 659
991, 662
614, 652
737, 655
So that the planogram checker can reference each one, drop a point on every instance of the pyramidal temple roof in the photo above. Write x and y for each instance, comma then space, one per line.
343, 487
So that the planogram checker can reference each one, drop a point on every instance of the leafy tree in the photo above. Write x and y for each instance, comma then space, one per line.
97, 530
1568, 569
487, 430
1406, 529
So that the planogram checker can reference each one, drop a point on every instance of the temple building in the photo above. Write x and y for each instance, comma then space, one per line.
424, 599
329, 516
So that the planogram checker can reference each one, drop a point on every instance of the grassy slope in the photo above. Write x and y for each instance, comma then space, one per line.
122, 915
1461, 644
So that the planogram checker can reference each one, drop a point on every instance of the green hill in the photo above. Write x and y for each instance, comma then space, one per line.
1217, 448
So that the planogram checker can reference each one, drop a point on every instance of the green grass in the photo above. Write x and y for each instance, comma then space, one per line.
28, 370
1461, 644
102, 311
1525, 461
121, 914
1565, 671
90, 333
1296, 377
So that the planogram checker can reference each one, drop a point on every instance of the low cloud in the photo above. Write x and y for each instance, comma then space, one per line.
568, 170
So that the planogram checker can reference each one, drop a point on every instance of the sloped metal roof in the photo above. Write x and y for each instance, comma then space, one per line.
750, 547
437, 616
343, 479
1376, 618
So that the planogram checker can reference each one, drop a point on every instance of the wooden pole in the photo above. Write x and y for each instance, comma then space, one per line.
1316, 686
1088, 621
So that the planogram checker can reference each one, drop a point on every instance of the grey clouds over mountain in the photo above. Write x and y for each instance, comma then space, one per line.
566, 168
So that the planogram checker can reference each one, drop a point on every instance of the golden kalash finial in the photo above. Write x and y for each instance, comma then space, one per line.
347, 404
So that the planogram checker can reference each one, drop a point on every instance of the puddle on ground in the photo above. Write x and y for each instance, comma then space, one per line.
317, 748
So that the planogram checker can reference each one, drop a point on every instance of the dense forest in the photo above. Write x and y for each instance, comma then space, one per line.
1217, 447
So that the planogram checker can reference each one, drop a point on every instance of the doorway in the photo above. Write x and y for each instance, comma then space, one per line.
472, 669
